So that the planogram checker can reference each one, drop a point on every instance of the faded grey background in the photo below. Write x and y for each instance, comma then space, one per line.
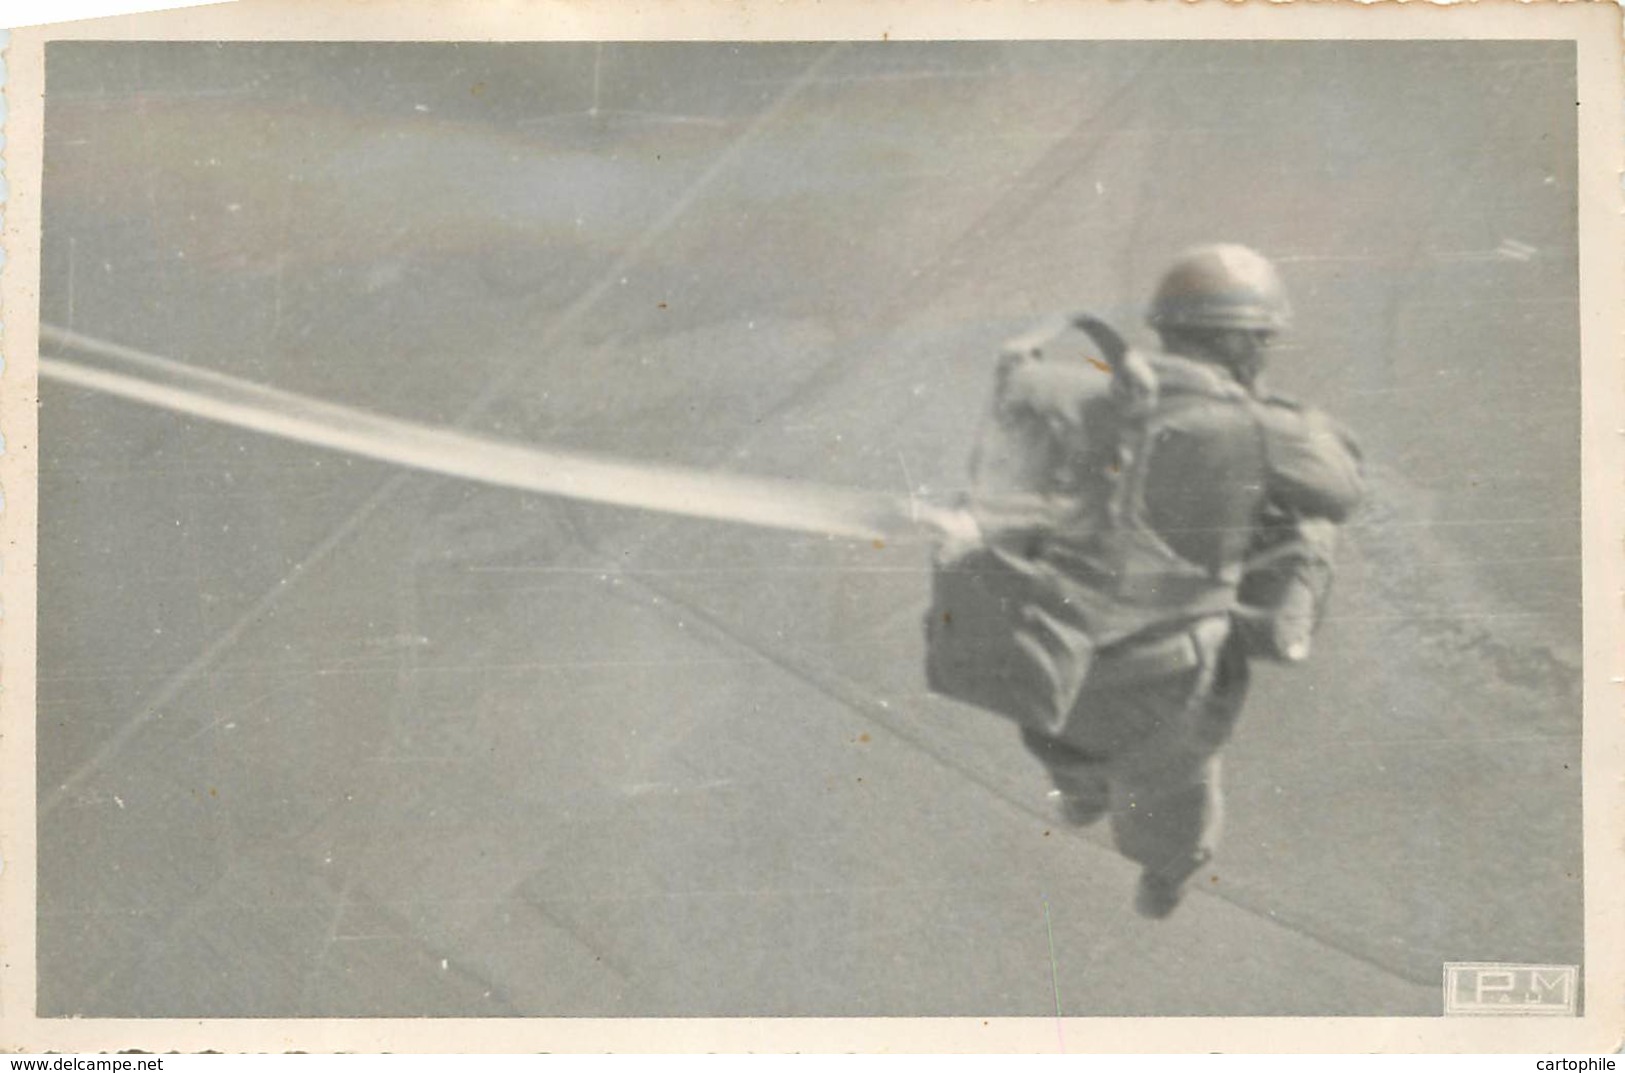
319, 738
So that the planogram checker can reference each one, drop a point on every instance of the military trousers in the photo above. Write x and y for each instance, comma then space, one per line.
1146, 754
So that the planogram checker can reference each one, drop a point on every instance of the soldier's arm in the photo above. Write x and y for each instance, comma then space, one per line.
1314, 464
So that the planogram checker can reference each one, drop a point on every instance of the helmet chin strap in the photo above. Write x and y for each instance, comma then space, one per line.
1249, 368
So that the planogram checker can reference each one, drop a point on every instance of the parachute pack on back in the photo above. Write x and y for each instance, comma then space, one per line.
1115, 492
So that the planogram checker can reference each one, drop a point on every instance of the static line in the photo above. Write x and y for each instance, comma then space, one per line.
213, 396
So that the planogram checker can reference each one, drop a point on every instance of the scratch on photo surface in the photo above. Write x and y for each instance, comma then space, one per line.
341, 902
643, 789
232, 714
908, 486
1054, 976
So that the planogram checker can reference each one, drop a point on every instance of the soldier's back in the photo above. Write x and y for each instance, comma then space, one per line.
1205, 467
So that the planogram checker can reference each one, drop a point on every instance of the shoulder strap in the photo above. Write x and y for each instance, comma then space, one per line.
1134, 382
1134, 385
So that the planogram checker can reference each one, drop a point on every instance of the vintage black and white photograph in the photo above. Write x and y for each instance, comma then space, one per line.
865, 528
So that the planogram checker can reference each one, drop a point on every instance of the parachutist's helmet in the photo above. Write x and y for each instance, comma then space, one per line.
1223, 286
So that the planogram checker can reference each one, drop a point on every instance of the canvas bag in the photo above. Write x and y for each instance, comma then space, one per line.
1008, 629
1005, 633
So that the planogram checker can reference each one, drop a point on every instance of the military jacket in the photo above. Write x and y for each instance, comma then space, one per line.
1151, 507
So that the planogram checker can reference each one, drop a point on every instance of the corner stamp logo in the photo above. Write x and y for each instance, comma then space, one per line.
1491, 988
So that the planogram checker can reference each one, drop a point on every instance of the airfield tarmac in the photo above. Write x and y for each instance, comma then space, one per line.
322, 738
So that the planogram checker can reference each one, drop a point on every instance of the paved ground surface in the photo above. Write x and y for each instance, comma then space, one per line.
317, 737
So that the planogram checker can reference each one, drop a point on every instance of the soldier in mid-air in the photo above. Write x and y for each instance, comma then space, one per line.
1148, 523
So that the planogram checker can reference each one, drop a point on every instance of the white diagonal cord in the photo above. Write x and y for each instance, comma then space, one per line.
777, 504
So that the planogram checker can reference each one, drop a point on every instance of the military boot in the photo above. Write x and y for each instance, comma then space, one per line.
1161, 890
1081, 807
